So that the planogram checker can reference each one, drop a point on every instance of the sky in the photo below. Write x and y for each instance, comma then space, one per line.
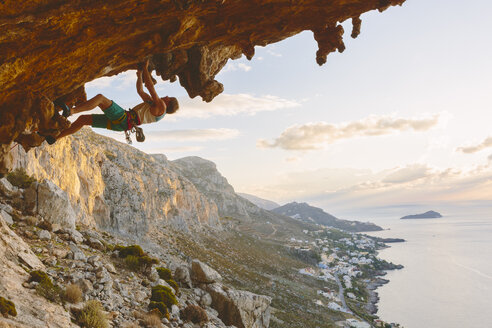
401, 118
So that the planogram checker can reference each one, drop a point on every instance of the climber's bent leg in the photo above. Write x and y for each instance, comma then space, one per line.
98, 100
76, 126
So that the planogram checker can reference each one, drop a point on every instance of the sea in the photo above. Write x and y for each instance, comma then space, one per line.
446, 281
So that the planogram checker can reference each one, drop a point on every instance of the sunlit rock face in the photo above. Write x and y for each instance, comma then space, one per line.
118, 188
51, 49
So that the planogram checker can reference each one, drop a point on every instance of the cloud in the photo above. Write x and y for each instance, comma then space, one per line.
345, 188
169, 150
231, 67
315, 135
197, 135
120, 81
408, 173
473, 149
273, 53
292, 159
230, 105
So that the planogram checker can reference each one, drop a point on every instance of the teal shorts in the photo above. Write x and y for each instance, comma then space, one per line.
114, 118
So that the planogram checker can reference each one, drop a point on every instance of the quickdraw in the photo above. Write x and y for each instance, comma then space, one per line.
133, 122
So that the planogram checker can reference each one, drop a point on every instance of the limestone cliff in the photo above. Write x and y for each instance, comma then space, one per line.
205, 176
116, 187
213, 185
51, 48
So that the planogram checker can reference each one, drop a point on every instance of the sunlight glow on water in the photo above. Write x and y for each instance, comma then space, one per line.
447, 279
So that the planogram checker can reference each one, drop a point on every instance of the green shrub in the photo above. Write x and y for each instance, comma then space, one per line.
131, 263
20, 179
39, 276
92, 316
194, 313
160, 307
140, 264
49, 291
174, 285
163, 294
45, 286
133, 250
164, 273
7, 307
146, 263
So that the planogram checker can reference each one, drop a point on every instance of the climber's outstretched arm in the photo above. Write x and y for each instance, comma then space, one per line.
159, 107
140, 90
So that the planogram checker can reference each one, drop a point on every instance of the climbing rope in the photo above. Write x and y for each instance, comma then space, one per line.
16, 144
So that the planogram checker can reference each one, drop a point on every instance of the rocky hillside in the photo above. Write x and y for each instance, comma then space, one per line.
66, 277
118, 188
50, 49
308, 213
69, 211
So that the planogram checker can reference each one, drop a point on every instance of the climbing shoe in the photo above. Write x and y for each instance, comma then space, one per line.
66, 110
50, 139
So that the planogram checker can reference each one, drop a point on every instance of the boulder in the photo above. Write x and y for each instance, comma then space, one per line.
206, 300
7, 189
44, 235
95, 243
202, 273
182, 275
85, 285
240, 308
53, 204
77, 254
93, 260
7, 208
6, 217
153, 275
110, 267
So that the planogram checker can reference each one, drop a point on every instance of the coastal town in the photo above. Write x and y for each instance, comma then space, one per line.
349, 261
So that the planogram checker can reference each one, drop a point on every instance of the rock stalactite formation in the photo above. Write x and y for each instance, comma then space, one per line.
50, 49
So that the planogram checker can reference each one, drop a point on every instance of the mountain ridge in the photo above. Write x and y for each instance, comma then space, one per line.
260, 202
308, 213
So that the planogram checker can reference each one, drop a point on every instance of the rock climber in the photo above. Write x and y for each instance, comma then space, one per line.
116, 118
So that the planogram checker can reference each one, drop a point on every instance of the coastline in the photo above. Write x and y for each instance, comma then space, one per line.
371, 287
377, 281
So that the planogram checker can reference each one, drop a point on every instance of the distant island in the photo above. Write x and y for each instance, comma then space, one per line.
426, 215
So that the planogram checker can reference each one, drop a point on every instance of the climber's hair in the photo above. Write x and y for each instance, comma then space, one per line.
172, 105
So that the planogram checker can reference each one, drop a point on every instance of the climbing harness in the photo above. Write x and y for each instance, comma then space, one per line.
133, 121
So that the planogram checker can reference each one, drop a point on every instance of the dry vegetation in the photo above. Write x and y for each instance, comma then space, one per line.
194, 313
72, 294
92, 316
